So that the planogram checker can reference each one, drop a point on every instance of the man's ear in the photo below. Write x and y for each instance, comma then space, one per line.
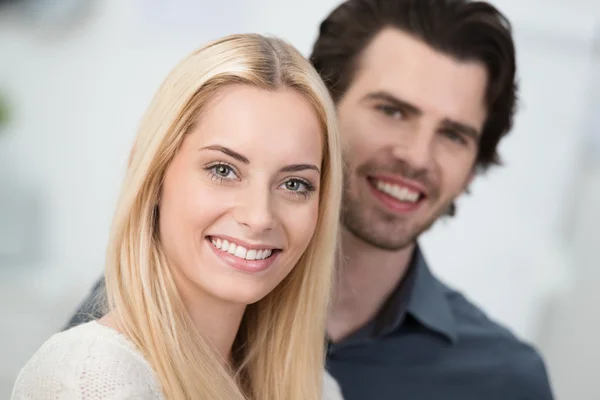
469, 181
452, 209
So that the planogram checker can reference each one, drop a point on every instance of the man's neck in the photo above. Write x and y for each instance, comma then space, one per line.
368, 276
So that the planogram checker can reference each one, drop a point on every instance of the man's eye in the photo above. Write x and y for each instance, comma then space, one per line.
455, 137
391, 111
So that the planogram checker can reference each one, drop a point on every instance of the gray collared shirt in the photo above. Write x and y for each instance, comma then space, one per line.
429, 342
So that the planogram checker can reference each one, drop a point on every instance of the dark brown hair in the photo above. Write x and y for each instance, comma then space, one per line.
469, 31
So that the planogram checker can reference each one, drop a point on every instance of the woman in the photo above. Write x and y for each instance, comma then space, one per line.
221, 254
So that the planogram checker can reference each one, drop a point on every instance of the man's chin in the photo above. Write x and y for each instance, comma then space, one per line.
382, 232
382, 239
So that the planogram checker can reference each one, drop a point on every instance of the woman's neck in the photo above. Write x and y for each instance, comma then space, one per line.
218, 322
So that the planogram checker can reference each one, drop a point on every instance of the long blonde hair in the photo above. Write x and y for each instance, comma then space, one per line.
279, 350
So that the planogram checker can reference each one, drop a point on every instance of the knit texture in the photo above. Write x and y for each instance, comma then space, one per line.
94, 362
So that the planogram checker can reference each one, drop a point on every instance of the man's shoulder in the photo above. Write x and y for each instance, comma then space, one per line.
517, 363
471, 319
92, 308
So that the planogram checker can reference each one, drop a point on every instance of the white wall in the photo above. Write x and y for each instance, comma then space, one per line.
570, 330
507, 247
78, 96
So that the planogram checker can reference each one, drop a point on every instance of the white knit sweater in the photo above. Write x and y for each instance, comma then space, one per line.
95, 362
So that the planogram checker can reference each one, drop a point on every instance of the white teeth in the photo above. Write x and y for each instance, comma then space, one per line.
398, 192
251, 255
232, 248
240, 251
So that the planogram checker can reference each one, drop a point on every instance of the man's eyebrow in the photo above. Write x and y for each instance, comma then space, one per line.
395, 101
461, 128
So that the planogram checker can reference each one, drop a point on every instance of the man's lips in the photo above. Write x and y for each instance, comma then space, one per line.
397, 194
399, 188
402, 183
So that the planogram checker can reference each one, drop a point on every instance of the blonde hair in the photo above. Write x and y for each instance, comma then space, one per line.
279, 350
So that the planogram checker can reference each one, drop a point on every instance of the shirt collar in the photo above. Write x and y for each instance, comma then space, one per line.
422, 296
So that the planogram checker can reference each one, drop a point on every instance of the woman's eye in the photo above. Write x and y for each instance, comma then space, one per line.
222, 170
293, 185
299, 187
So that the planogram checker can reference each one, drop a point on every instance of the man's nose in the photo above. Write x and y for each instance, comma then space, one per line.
416, 148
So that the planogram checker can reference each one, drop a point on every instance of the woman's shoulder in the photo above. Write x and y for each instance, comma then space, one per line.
331, 389
90, 361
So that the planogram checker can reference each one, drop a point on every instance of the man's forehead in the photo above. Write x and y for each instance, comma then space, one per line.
414, 72
394, 53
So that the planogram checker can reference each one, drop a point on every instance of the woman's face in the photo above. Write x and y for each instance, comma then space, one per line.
240, 199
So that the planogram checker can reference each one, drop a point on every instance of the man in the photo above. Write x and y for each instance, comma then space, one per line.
425, 90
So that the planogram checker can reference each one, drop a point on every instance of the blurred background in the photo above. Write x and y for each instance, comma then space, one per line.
76, 76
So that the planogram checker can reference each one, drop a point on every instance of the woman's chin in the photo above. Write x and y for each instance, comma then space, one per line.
242, 294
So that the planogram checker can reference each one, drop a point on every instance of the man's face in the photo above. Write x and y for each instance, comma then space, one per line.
412, 118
